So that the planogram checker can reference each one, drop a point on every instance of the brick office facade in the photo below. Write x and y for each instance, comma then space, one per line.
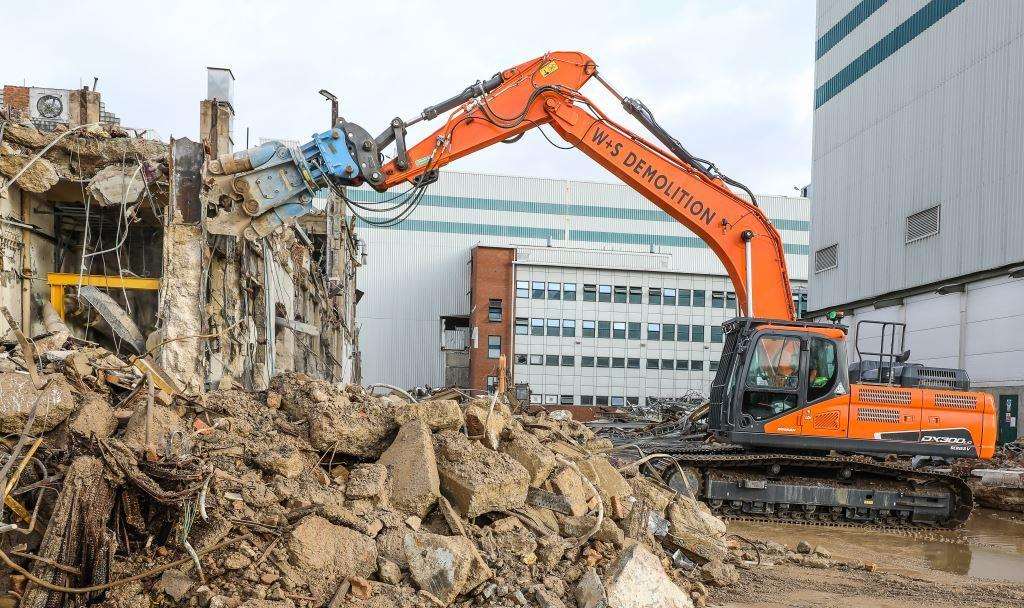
491, 296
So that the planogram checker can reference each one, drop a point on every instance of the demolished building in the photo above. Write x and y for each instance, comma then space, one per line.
104, 234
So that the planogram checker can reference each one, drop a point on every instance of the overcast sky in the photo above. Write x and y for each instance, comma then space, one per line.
733, 80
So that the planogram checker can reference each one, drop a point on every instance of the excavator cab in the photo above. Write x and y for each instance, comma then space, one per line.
770, 371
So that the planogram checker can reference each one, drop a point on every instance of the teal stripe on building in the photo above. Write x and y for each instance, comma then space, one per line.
920, 21
844, 26
514, 206
585, 236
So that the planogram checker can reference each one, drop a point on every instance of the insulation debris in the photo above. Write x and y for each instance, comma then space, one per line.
313, 494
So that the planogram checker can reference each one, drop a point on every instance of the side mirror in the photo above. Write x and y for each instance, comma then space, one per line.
903, 357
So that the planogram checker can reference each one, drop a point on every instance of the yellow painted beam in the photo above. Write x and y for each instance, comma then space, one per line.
99, 280
59, 280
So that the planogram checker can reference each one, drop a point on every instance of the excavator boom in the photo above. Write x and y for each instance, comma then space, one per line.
545, 90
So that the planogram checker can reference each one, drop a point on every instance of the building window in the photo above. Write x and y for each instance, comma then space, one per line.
923, 224
634, 331
492, 383
696, 333
522, 326
696, 366
682, 365
586, 400
619, 362
619, 330
586, 361
730, 300
717, 334
633, 363
668, 332
568, 361
684, 297
604, 329
654, 331
603, 362
569, 291
653, 364
538, 290
717, 299
634, 401
554, 327
800, 304
826, 258
618, 401
537, 327
620, 294
520, 359
636, 295
536, 399
588, 329
550, 399
682, 333
569, 328
566, 400
536, 359
604, 293
670, 297
493, 347
551, 360
654, 295
668, 364
522, 289
601, 400
589, 293
713, 366
554, 291
698, 298
494, 311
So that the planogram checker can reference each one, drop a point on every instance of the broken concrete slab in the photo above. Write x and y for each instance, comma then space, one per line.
324, 554
485, 423
18, 395
590, 591
444, 566
117, 185
94, 418
477, 480
525, 449
356, 429
549, 501
638, 580
412, 465
568, 483
439, 415
164, 423
368, 481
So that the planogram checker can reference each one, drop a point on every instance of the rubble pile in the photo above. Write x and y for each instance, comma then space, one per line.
100, 156
311, 494
998, 483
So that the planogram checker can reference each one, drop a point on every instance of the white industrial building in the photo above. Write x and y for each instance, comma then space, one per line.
567, 236
917, 180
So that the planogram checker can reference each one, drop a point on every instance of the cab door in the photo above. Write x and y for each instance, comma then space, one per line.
828, 394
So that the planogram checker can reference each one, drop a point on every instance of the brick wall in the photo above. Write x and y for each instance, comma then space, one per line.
491, 278
17, 98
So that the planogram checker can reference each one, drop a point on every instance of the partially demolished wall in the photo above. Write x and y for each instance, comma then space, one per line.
106, 206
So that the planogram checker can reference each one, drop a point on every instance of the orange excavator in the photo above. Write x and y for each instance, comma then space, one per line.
790, 431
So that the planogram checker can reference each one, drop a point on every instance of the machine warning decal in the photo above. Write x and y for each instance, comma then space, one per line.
548, 68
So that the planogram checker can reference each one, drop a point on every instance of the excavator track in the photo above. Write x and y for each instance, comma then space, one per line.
837, 491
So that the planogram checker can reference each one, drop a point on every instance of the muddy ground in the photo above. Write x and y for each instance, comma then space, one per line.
983, 565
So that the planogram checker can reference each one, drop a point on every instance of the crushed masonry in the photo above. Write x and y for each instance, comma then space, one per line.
314, 494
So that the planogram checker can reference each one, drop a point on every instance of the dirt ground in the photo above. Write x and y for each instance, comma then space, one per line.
980, 566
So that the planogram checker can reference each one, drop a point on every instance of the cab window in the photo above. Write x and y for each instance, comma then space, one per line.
773, 378
822, 369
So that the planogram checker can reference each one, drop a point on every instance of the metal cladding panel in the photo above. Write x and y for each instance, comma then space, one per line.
937, 122
418, 271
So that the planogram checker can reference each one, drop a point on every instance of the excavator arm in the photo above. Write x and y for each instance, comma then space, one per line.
274, 182
546, 91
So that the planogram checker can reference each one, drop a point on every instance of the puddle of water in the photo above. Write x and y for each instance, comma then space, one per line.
990, 546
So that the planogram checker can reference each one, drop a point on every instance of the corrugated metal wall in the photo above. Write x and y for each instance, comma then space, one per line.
917, 105
418, 270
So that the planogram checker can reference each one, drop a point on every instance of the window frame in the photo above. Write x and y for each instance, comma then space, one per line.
534, 290
493, 342
555, 293
592, 329
492, 307
525, 326
666, 296
523, 289
536, 329
566, 291
590, 292
553, 327
654, 296
654, 335
569, 328
603, 294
